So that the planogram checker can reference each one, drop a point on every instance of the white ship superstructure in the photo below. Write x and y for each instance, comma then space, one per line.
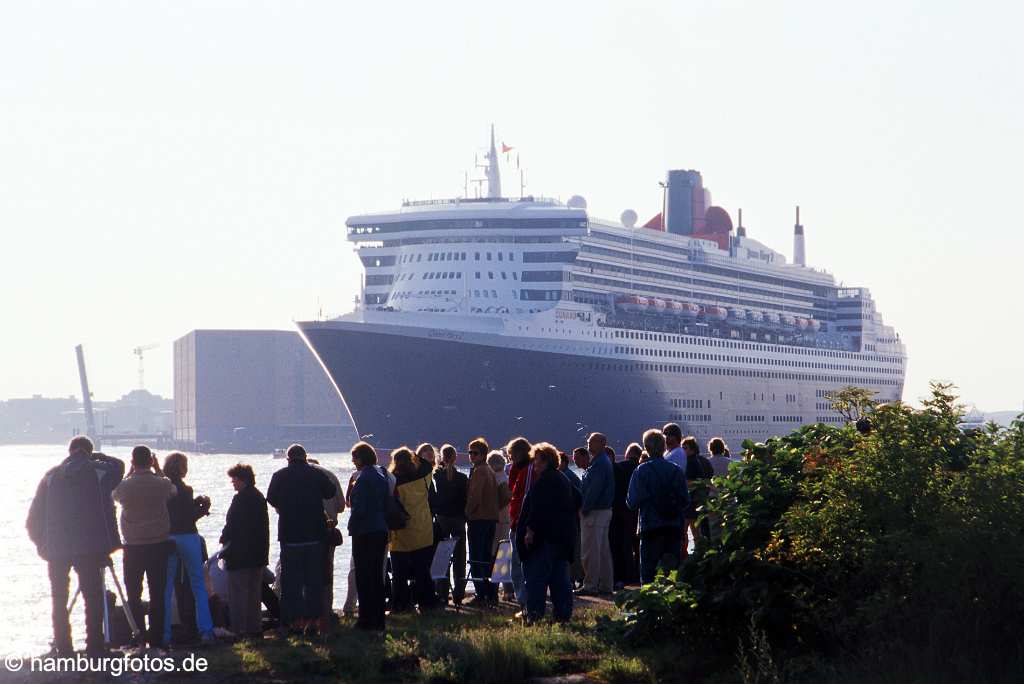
528, 316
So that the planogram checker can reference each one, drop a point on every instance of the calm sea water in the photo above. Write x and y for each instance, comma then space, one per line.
25, 595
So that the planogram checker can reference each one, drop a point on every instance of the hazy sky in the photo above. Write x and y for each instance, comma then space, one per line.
166, 166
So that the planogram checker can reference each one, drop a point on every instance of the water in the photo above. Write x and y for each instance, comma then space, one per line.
25, 595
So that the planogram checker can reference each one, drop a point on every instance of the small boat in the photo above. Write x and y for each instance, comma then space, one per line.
279, 453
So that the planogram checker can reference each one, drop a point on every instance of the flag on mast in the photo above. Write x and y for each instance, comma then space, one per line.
505, 149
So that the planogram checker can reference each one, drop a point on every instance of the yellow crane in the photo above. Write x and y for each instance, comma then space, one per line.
139, 351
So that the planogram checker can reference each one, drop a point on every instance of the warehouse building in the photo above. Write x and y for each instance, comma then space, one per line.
247, 391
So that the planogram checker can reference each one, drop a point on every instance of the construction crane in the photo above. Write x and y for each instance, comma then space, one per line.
139, 351
90, 420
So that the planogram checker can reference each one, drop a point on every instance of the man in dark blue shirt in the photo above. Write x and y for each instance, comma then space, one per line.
658, 490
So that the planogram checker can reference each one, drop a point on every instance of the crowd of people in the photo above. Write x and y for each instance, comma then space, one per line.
563, 535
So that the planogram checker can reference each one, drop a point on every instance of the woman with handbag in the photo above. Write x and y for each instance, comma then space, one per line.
246, 540
412, 545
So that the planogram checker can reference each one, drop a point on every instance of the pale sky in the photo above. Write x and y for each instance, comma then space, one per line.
166, 166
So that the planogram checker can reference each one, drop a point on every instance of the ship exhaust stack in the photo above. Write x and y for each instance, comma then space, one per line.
684, 202
740, 230
799, 256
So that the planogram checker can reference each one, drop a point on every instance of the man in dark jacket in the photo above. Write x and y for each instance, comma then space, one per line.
658, 491
546, 535
71, 521
623, 537
448, 503
297, 492
247, 538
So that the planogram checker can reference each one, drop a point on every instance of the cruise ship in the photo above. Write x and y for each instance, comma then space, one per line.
501, 316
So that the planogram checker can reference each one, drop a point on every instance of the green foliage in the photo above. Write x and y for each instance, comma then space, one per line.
852, 402
837, 543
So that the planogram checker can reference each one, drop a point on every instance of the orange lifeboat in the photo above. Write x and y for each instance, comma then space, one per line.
715, 313
631, 303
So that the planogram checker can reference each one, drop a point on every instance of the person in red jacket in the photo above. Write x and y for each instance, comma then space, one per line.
520, 478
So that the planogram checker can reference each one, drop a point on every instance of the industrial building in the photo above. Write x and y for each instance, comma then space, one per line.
247, 391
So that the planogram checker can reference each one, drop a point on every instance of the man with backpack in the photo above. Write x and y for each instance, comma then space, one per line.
658, 490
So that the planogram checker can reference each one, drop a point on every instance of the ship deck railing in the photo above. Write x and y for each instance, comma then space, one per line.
709, 330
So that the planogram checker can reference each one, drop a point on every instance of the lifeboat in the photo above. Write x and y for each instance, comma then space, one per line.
755, 316
772, 318
788, 320
715, 313
631, 303
737, 315
657, 305
814, 325
690, 310
674, 308
802, 323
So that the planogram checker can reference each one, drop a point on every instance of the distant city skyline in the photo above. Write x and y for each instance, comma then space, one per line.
173, 167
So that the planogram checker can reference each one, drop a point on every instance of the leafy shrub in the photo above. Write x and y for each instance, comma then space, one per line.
837, 543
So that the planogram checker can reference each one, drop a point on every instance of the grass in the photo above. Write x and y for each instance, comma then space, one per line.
483, 648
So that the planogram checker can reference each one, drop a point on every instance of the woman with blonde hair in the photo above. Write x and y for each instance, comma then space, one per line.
496, 460
184, 510
412, 546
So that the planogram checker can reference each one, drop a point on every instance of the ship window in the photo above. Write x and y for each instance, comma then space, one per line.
477, 255
476, 293
478, 275
500, 256
511, 256
458, 275
490, 275
419, 257
494, 294
515, 276
488, 256
503, 276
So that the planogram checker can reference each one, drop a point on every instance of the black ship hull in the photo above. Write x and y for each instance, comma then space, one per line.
405, 390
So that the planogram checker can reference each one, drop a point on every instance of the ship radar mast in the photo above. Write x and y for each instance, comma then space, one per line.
493, 174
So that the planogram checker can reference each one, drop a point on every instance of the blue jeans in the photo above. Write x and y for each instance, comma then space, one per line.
481, 557
655, 545
544, 570
189, 550
302, 582
518, 585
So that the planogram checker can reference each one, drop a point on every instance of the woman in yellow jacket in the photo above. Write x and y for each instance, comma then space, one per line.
412, 546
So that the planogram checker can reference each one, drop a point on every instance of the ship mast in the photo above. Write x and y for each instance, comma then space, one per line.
493, 174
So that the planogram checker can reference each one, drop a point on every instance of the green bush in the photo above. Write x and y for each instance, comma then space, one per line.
838, 544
